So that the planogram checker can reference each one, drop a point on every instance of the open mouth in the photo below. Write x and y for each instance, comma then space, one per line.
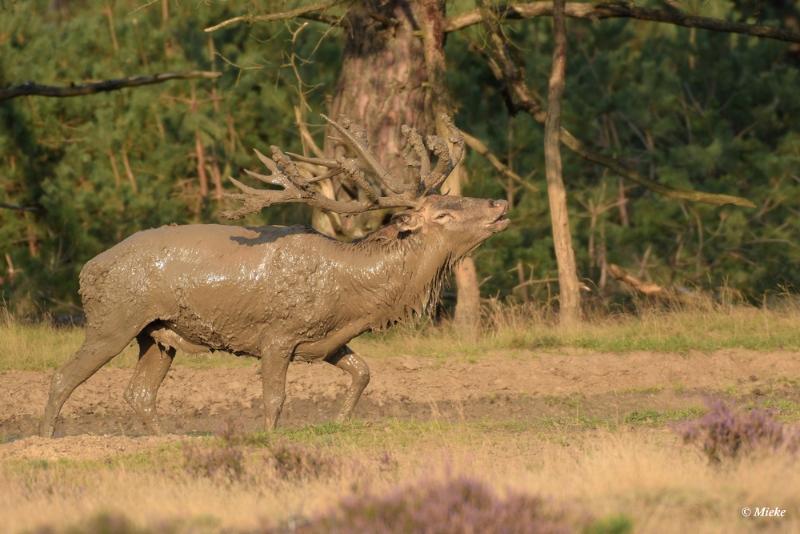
501, 222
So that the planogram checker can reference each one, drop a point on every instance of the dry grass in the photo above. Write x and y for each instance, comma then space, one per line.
702, 329
634, 467
42, 346
645, 475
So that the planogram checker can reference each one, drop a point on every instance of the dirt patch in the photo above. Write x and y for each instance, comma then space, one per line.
501, 386
83, 447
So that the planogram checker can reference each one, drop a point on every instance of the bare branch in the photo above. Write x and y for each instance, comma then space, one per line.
14, 207
308, 139
621, 9
505, 68
478, 146
313, 12
35, 89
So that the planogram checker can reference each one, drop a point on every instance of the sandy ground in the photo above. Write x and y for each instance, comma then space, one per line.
501, 386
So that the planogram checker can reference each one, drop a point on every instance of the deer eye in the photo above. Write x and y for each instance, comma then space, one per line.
442, 217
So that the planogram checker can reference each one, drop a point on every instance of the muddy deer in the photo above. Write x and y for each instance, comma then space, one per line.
281, 294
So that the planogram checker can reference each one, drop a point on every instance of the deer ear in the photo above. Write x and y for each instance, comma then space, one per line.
408, 221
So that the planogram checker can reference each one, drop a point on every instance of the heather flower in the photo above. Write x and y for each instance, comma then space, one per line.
727, 433
458, 506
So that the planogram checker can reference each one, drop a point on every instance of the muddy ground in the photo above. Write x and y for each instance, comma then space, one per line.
503, 386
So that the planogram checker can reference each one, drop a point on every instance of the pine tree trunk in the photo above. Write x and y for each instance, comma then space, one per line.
391, 77
568, 287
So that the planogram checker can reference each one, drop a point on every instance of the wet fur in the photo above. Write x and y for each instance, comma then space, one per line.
279, 293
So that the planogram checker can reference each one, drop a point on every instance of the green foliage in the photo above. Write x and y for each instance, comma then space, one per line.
67, 156
689, 108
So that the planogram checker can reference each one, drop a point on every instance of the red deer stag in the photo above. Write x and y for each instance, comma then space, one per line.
279, 293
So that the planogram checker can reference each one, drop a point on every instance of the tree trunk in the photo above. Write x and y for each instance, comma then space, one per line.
569, 290
431, 16
468, 299
391, 77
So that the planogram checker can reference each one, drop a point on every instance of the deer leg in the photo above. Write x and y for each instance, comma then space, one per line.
350, 362
154, 362
274, 363
96, 351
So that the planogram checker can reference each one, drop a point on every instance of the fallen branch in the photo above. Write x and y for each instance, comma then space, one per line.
645, 288
313, 12
35, 89
478, 146
506, 69
604, 10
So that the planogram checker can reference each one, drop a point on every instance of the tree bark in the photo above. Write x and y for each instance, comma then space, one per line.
569, 297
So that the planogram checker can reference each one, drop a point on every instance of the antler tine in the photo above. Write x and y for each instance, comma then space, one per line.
361, 149
268, 163
276, 178
330, 163
327, 176
444, 165
288, 167
414, 143
456, 138
350, 168
256, 199
447, 160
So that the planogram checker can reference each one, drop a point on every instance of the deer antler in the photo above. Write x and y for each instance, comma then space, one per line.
446, 159
298, 182
297, 188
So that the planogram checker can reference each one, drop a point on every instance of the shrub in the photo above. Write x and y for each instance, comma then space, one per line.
117, 523
293, 462
225, 462
459, 506
727, 433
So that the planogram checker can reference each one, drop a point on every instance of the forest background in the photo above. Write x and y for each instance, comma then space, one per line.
688, 108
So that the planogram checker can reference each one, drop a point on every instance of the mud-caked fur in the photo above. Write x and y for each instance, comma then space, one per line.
278, 293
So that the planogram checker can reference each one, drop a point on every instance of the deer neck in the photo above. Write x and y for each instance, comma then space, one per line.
399, 278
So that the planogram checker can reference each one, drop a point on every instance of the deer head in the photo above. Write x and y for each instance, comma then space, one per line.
462, 223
